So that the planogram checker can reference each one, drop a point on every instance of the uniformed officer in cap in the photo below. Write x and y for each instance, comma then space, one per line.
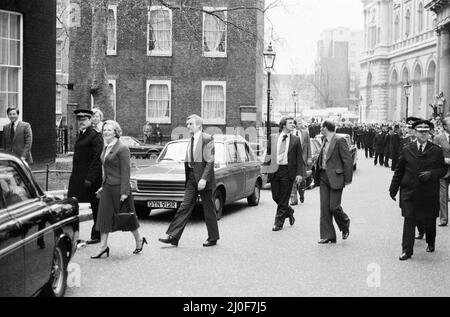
420, 167
86, 177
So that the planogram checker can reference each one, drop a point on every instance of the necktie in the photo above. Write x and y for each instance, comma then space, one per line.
421, 149
192, 153
12, 131
282, 148
321, 160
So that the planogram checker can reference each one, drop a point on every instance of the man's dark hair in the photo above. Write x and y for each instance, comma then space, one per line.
329, 125
284, 121
11, 109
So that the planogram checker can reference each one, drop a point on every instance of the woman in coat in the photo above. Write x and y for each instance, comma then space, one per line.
115, 188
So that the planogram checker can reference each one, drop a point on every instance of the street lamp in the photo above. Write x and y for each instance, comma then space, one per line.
407, 88
269, 59
294, 97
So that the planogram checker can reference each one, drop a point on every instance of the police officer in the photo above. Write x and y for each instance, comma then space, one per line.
420, 167
86, 177
394, 145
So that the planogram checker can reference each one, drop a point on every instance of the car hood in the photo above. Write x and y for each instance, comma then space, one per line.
172, 171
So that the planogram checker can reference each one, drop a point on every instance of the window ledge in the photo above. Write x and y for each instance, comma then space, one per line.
159, 120
214, 121
215, 55
159, 53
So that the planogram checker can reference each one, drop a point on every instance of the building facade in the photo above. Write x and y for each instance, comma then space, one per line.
337, 67
399, 47
27, 69
163, 65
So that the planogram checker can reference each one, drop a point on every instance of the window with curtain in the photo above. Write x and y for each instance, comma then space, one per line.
58, 55
214, 102
215, 33
407, 23
420, 18
158, 101
396, 29
159, 35
111, 29
10, 60
112, 95
58, 106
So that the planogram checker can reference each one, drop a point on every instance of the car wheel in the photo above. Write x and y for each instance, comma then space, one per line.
253, 199
57, 284
218, 203
142, 212
152, 155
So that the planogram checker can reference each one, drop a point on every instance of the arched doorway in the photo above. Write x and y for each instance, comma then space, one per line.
368, 96
416, 105
392, 112
431, 89
405, 78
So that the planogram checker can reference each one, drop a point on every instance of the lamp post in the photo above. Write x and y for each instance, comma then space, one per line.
294, 97
269, 59
407, 88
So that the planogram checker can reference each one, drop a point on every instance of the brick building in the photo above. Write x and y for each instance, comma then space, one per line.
27, 69
162, 68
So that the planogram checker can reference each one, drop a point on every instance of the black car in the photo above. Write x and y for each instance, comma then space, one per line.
140, 150
38, 234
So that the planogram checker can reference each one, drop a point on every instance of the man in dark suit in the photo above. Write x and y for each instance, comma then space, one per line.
420, 167
334, 170
200, 179
302, 133
86, 177
394, 144
288, 156
378, 145
17, 136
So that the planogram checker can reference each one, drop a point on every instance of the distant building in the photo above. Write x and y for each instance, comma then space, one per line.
399, 47
337, 72
160, 69
27, 69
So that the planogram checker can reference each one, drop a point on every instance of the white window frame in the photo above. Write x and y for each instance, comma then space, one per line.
219, 121
113, 83
60, 52
159, 52
161, 120
58, 92
215, 54
3, 117
112, 7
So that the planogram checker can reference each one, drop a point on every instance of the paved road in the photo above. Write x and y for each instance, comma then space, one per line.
251, 260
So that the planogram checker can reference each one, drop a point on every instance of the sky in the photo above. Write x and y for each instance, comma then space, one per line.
296, 28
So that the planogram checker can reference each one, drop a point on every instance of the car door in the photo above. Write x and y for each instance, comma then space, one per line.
12, 257
250, 165
235, 179
33, 215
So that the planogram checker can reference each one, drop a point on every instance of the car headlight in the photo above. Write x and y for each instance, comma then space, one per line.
133, 185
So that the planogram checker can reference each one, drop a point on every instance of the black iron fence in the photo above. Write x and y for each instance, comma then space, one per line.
62, 145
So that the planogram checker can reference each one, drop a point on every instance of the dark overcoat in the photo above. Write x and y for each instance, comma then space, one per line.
418, 199
86, 166
394, 145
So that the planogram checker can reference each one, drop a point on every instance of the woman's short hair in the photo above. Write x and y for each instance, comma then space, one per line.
97, 110
116, 127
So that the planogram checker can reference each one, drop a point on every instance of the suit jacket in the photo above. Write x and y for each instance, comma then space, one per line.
442, 141
23, 140
296, 164
86, 165
339, 164
203, 161
418, 199
306, 144
116, 167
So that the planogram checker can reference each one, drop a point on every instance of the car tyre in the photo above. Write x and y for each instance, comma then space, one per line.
253, 199
152, 155
142, 212
57, 284
218, 203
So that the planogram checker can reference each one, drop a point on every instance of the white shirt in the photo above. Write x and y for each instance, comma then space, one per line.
423, 146
446, 135
15, 124
196, 138
110, 146
325, 150
282, 159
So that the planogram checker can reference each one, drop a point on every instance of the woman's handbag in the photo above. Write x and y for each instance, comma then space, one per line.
125, 219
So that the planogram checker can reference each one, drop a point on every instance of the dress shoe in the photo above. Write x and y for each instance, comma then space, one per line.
291, 220
169, 240
430, 248
276, 228
98, 256
210, 243
302, 199
139, 250
293, 203
345, 234
404, 257
93, 241
325, 241
420, 236
442, 224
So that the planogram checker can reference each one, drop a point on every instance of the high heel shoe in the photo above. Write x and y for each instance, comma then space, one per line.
139, 250
101, 253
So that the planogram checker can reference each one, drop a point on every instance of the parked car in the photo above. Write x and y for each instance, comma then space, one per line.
237, 172
140, 150
38, 234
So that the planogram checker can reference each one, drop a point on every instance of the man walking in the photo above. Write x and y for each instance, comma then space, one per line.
394, 145
334, 170
200, 179
17, 136
420, 167
86, 177
302, 133
290, 168
443, 140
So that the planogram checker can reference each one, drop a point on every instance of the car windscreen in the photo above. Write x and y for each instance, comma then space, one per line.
129, 142
174, 152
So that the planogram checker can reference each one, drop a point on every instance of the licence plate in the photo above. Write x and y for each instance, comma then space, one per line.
162, 204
